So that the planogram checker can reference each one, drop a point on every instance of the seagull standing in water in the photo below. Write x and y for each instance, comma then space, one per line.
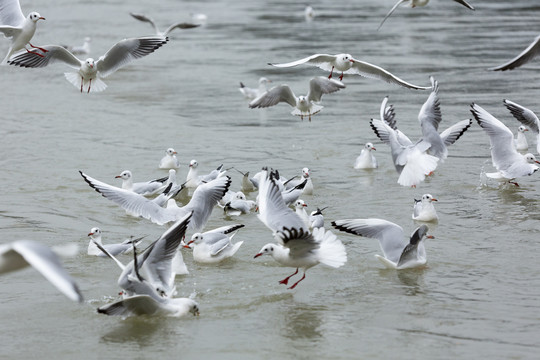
20, 29
366, 160
169, 161
424, 210
90, 71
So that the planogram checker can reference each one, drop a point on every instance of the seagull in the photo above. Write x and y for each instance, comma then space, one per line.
526, 117
299, 206
309, 13
424, 209
179, 25
204, 198
526, 55
316, 219
296, 246
214, 246
84, 49
366, 160
20, 29
521, 140
146, 188
415, 3
509, 163
308, 188
247, 185
251, 93
147, 305
346, 64
193, 179
169, 161
114, 249
303, 105
89, 72
397, 253
22, 253
151, 272
239, 205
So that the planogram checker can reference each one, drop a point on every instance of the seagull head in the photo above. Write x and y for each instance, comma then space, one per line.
522, 128
94, 233
171, 152
428, 198
531, 159
369, 146
34, 16
305, 172
267, 249
89, 63
125, 175
193, 164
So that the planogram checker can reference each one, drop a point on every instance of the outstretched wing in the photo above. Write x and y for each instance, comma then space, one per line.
322, 61
375, 72
524, 57
179, 25
282, 93
53, 54
126, 51
454, 132
11, 13
321, 85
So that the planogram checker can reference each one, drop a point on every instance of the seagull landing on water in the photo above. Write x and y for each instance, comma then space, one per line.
20, 29
397, 253
303, 105
90, 71
509, 163
346, 64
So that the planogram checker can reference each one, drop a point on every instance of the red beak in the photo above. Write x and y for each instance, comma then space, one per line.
256, 256
430, 236
351, 60
373, 148
90, 234
434, 199
41, 18
117, 177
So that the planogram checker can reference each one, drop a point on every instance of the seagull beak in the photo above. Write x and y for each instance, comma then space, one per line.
433, 199
90, 234
41, 18
175, 152
373, 148
430, 236
304, 205
536, 161
187, 246
117, 177
351, 60
256, 256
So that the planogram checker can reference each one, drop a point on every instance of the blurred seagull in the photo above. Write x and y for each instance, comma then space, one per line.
524, 57
509, 163
521, 140
397, 253
178, 25
84, 49
415, 3
346, 64
193, 179
252, 93
20, 29
90, 72
303, 105
22, 253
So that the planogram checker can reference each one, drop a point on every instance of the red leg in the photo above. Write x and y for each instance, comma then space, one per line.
331, 71
515, 183
341, 77
286, 280
82, 82
90, 84
309, 117
296, 283
35, 53
37, 47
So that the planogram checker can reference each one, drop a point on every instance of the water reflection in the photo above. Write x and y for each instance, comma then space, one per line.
303, 321
141, 330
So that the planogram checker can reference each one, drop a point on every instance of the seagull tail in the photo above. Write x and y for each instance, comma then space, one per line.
331, 251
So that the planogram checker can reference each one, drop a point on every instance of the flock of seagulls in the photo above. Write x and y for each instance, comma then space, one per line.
301, 240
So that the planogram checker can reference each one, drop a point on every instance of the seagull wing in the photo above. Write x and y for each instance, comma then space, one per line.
390, 235
503, 151
11, 13
144, 18
527, 118
526, 55
322, 61
281, 93
133, 203
390, 12
464, 3
53, 54
133, 305
180, 25
21, 253
126, 51
375, 72
321, 85
454, 132
430, 118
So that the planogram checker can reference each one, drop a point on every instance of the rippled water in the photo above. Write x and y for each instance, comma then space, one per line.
478, 296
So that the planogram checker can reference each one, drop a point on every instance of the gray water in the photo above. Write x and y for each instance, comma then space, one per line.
478, 296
